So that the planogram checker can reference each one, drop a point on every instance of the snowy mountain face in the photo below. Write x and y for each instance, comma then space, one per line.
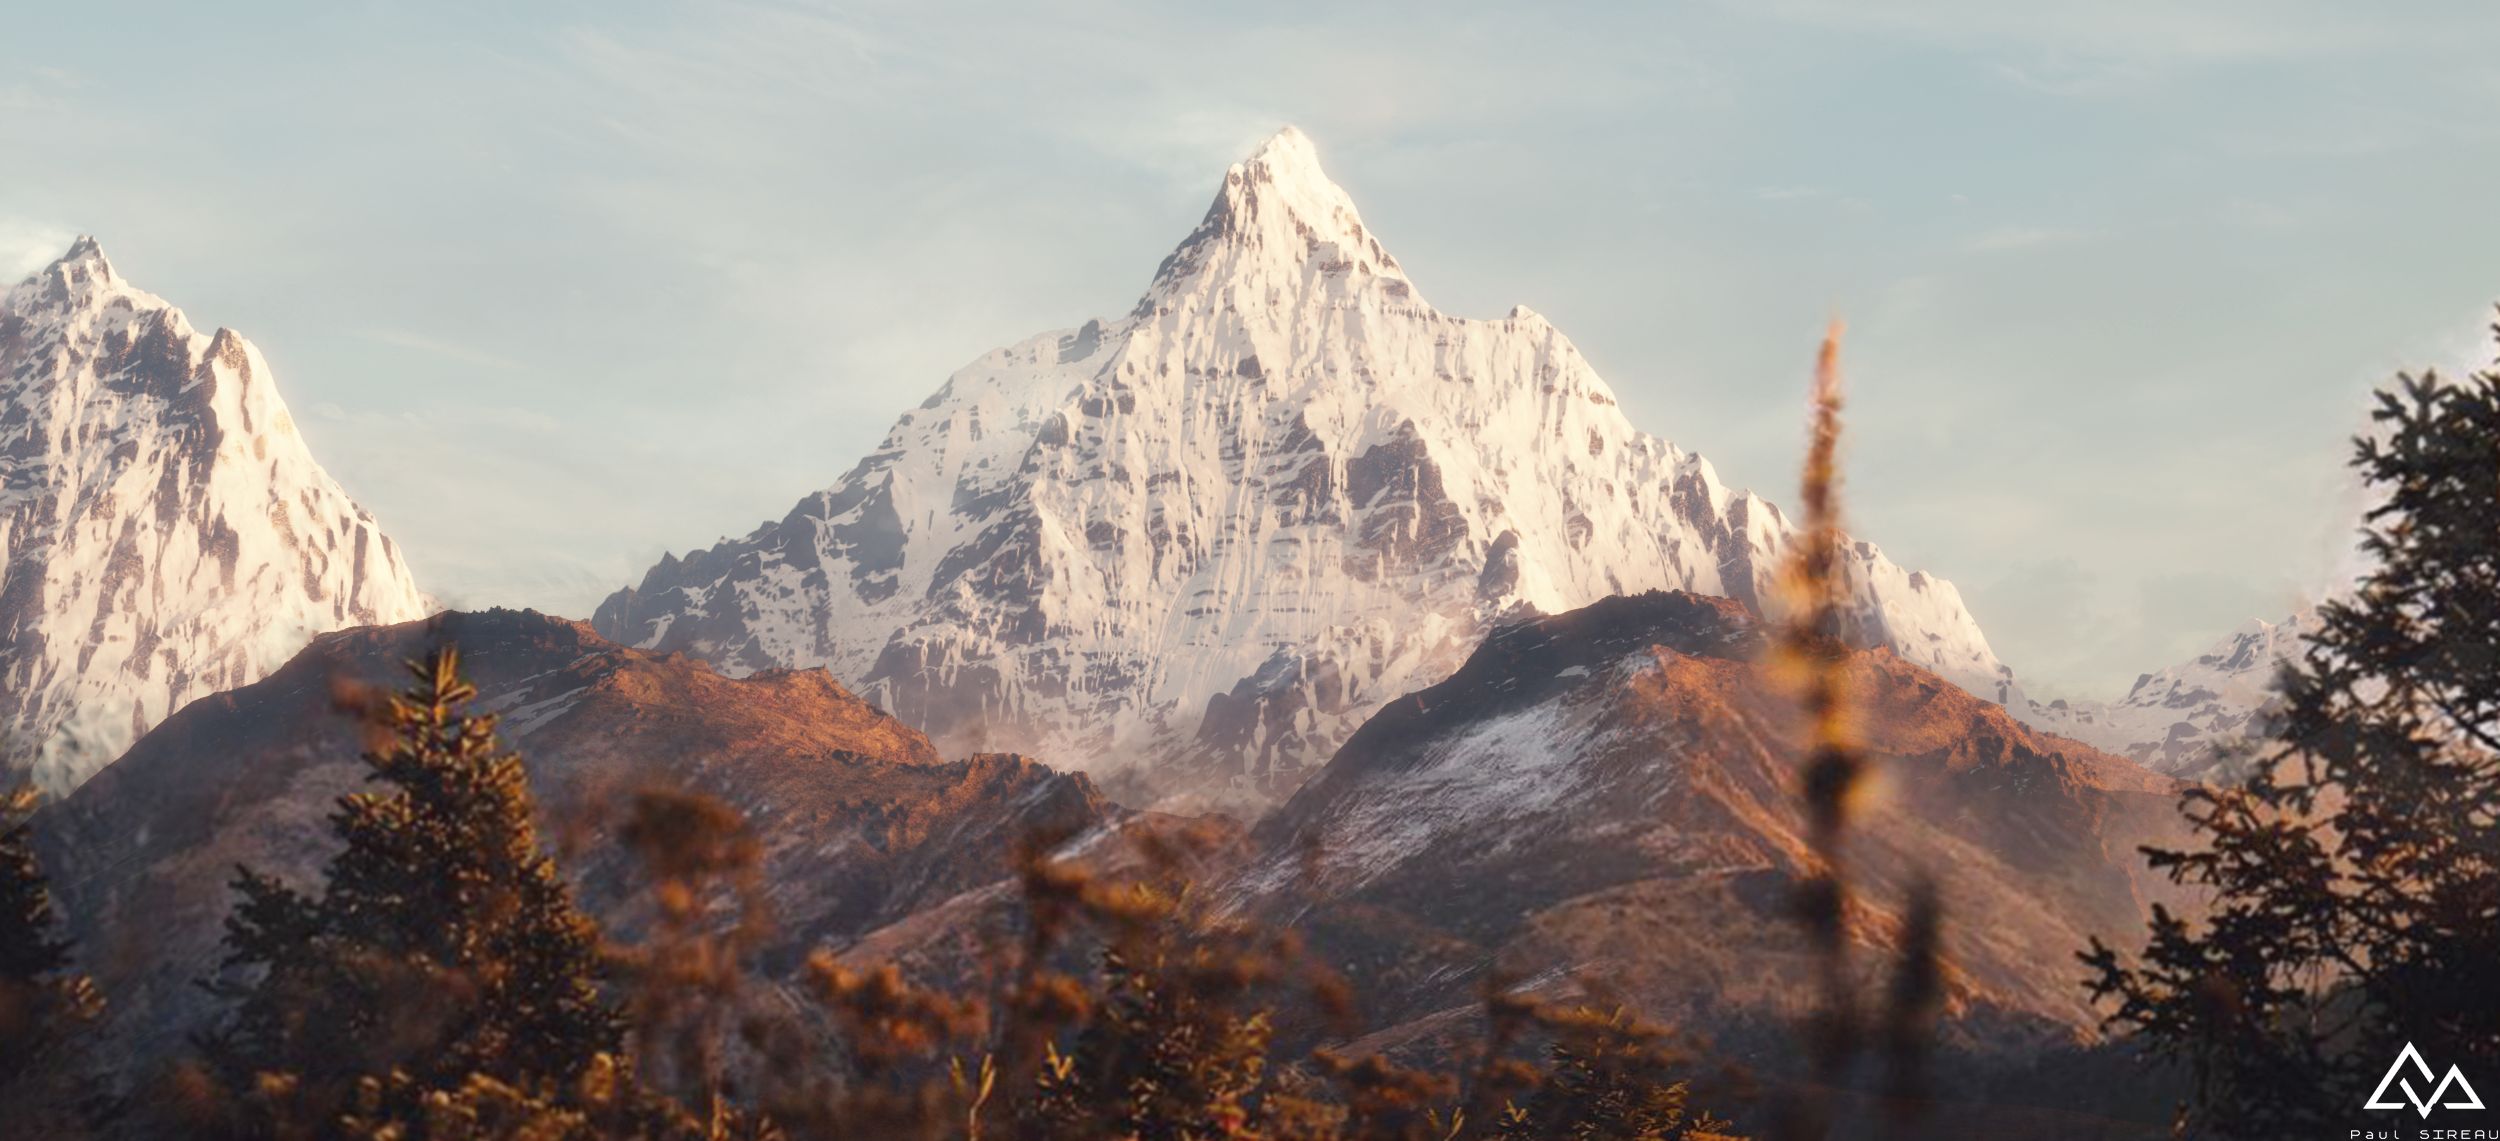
164, 533
1229, 524
2191, 719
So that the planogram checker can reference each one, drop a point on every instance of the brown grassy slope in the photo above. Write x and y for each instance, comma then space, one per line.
1607, 796
862, 821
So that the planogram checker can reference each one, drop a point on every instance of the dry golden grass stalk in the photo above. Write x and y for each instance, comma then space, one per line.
1813, 650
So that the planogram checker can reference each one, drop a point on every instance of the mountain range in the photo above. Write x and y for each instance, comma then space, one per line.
2198, 718
1599, 798
1480, 656
1198, 542
1603, 802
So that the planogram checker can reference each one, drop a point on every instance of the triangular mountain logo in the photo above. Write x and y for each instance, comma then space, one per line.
2401, 1078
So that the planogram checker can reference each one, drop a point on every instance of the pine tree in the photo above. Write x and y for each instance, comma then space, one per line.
2357, 873
43, 1003
29, 955
443, 946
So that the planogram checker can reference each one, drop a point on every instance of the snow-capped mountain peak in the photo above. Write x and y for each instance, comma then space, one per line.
1227, 526
80, 279
165, 533
84, 266
1277, 223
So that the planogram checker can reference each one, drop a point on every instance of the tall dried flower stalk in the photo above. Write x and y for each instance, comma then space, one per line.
1813, 650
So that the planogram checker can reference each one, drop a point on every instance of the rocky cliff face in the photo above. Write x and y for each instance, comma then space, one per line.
1609, 795
164, 532
1228, 525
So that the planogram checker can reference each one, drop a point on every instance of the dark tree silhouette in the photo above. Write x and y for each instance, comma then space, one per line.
2356, 874
443, 949
44, 1004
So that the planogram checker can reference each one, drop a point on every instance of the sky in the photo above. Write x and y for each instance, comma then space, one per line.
555, 287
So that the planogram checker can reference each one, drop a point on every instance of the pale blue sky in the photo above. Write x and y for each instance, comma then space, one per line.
553, 287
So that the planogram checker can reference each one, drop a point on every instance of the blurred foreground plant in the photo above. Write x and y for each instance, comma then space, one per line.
1813, 652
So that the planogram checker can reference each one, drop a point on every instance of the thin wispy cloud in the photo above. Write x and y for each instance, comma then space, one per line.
27, 246
2260, 214
2146, 31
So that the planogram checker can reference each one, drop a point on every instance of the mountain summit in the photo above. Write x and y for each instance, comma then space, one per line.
1277, 219
164, 532
1227, 526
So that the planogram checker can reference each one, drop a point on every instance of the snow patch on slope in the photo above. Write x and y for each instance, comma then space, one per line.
1522, 766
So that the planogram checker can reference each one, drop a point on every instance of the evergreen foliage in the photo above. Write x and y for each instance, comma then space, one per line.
442, 948
2357, 873
1607, 1078
45, 1006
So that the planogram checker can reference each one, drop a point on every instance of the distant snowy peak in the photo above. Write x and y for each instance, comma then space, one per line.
164, 532
1228, 525
2189, 719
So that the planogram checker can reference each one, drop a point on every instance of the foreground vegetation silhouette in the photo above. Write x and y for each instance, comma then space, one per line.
443, 946
1812, 651
2356, 873
45, 1005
